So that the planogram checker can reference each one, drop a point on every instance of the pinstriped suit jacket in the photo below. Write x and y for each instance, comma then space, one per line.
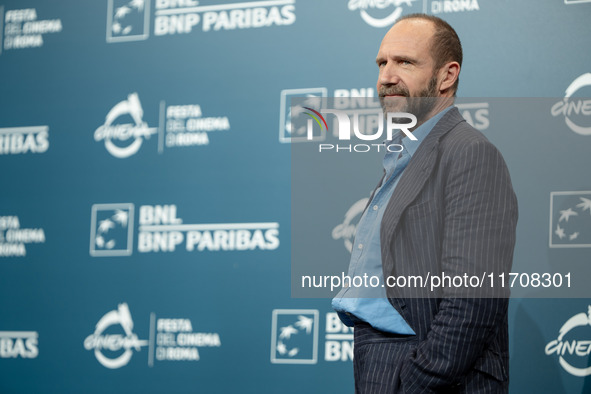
454, 211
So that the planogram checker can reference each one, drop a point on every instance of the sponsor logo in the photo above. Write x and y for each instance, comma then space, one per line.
171, 339
573, 108
121, 345
295, 337
179, 126
290, 130
128, 20
21, 140
186, 126
447, 6
19, 344
476, 114
573, 351
23, 29
160, 230
176, 340
13, 238
381, 13
1, 28
570, 219
129, 135
338, 339
111, 230
293, 122
346, 230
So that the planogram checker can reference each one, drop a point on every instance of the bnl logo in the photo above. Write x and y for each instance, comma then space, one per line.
570, 219
111, 230
294, 336
292, 122
128, 20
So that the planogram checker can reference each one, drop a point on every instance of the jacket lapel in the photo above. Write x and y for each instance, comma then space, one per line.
417, 172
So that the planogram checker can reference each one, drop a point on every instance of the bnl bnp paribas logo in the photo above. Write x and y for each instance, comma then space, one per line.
125, 131
129, 20
19, 344
570, 219
295, 335
161, 230
576, 111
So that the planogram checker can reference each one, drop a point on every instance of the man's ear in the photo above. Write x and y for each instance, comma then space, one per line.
448, 75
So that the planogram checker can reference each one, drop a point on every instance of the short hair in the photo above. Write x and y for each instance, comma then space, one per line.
445, 45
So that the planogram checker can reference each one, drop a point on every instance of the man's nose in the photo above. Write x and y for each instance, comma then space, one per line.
388, 75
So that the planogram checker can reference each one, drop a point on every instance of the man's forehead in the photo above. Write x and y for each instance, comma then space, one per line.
416, 33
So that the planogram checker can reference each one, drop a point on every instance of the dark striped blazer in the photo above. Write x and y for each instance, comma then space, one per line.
454, 211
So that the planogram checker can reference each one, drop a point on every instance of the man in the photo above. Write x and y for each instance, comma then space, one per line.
445, 206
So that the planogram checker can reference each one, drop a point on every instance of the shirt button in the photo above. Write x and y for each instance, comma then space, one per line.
375, 207
360, 246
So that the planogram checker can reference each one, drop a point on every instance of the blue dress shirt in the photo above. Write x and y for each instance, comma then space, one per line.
368, 303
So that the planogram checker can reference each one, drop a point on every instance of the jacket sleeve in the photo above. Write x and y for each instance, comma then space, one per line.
480, 217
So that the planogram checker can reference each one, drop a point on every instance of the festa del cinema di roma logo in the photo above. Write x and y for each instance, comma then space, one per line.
566, 349
171, 339
110, 344
383, 13
124, 139
381, 6
570, 106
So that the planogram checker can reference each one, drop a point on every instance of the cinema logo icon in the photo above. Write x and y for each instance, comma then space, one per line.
571, 349
346, 230
384, 12
570, 219
111, 230
575, 110
114, 350
129, 136
128, 20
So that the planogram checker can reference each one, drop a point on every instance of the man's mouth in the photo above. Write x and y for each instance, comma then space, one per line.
393, 95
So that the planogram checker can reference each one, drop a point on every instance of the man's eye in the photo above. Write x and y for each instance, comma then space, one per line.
405, 62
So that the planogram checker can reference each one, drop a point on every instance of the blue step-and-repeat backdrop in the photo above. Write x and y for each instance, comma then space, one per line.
145, 186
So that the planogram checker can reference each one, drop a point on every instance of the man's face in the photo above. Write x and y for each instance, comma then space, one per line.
407, 69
